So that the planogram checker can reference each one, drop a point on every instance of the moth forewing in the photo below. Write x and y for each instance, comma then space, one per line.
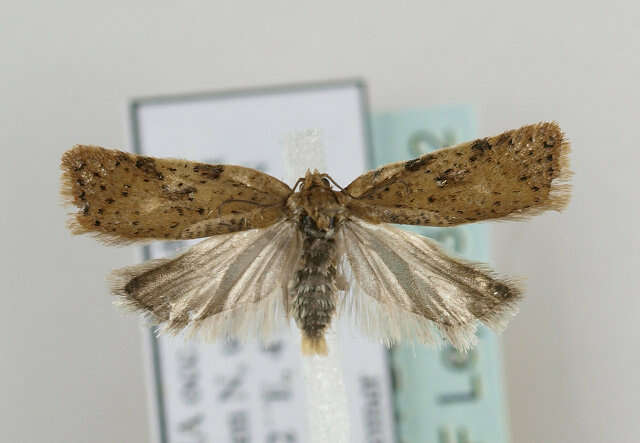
124, 198
516, 174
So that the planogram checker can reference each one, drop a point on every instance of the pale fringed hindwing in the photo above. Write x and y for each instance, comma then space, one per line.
229, 285
274, 254
407, 288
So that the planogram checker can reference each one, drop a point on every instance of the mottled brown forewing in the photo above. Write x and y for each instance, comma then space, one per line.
516, 174
124, 197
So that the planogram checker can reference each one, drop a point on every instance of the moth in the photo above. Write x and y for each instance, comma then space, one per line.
317, 250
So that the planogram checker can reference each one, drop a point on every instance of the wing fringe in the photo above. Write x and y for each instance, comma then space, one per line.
560, 192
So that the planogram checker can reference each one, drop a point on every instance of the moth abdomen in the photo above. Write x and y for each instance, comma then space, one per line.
314, 294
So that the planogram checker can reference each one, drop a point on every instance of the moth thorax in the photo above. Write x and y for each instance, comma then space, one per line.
320, 202
314, 292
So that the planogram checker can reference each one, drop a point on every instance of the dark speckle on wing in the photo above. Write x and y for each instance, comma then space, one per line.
481, 145
211, 172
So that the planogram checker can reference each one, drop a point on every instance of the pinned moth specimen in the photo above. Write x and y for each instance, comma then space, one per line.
317, 250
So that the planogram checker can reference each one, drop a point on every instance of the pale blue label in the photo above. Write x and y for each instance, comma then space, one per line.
441, 395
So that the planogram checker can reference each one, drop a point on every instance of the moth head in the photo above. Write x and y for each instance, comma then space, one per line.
314, 180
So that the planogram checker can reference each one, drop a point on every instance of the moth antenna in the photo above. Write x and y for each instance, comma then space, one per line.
242, 201
390, 181
328, 177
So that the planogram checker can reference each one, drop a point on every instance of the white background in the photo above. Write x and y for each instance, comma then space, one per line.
71, 369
